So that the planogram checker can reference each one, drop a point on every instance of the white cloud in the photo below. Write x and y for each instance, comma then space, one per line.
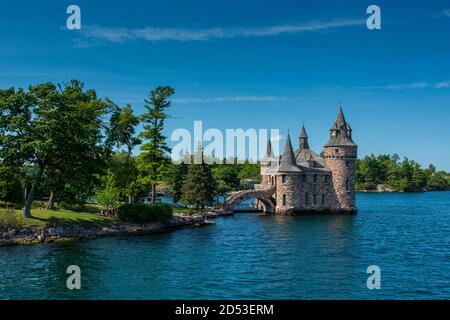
444, 84
415, 85
229, 99
446, 13
121, 35
406, 86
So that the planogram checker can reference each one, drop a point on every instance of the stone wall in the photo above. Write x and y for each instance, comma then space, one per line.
316, 186
342, 163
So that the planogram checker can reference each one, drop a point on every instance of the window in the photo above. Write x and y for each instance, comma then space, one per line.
306, 198
303, 178
272, 180
323, 199
336, 150
315, 178
326, 179
347, 163
284, 199
283, 178
315, 199
347, 185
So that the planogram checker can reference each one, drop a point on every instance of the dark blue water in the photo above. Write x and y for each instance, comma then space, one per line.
255, 257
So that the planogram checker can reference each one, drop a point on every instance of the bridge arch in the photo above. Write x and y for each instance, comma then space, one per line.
264, 197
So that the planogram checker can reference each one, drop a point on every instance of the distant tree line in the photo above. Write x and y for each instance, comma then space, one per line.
398, 175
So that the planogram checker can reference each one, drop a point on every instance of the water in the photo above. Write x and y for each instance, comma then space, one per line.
255, 257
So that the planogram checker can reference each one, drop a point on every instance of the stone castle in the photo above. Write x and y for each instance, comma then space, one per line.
301, 181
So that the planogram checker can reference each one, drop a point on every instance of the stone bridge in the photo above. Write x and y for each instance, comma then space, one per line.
263, 195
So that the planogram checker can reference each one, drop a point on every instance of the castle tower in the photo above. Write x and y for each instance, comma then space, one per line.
340, 157
288, 181
266, 163
303, 139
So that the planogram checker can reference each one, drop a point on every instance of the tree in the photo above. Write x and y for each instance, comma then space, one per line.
122, 128
11, 190
199, 187
226, 177
125, 170
178, 177
51, 128
154, 148
109, 195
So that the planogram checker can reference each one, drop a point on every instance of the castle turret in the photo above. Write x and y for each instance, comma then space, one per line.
288, 181
340, 157
303, 139
266, 163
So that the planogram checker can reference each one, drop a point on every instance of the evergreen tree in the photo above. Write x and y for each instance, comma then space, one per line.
155, 148
199, 187
178, 177
109, 195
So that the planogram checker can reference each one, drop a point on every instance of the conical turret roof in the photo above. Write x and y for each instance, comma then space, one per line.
340, 132
269, 151
303, 139
288, 162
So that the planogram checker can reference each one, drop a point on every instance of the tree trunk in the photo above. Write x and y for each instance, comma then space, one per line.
130, 198
30, 195
153, 194
51, 202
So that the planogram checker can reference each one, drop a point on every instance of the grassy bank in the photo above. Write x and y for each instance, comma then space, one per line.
61, 217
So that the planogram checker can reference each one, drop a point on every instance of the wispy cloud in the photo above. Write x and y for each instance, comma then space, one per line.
446, 13
121, 35
444, 84
406, 86
229, 99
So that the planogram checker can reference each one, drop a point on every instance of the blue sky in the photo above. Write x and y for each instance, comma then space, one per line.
253, 64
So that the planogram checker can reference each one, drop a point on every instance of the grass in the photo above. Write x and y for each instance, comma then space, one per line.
181, 210
60, 217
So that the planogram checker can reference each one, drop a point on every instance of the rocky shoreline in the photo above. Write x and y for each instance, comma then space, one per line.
66, 233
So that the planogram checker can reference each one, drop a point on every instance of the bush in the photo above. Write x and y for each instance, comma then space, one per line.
144, 213
9, 219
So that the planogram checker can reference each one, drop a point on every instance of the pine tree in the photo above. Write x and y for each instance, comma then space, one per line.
179, 173
155, 147
199, 187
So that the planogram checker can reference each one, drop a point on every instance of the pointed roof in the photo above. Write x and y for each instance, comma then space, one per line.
340, 132
269, 151
288, 162
303, 139
340, 120
303, 133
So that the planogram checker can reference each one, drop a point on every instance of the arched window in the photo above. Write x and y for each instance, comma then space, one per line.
347, 185
283, 178
284, 199
306, 198
323, 199
315, 199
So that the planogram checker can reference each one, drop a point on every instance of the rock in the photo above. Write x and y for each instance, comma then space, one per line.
383, 188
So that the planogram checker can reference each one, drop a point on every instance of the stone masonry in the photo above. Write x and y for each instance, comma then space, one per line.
304, 182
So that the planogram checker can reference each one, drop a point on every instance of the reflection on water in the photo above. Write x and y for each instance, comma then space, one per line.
250, 256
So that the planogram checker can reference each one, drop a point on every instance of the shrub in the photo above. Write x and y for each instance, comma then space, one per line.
9, 219
144, 213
